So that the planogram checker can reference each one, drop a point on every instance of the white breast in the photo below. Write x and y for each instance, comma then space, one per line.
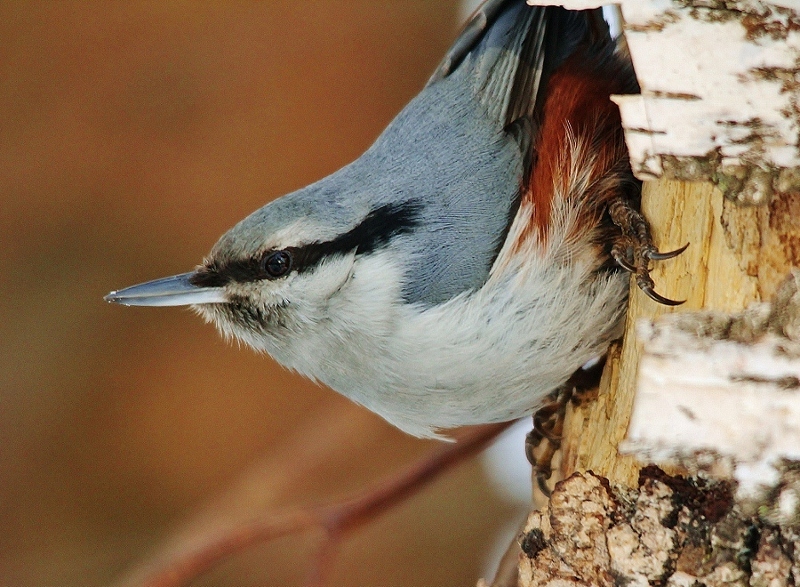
485, 356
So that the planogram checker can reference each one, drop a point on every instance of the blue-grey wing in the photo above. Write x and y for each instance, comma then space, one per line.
467, 139
459, 153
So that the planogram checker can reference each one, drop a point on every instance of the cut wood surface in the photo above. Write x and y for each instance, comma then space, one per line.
737, 255
630, 521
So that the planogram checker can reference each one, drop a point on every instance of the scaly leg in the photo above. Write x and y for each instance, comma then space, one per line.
544, 440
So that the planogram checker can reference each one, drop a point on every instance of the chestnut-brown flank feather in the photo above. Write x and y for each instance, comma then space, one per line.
580, 139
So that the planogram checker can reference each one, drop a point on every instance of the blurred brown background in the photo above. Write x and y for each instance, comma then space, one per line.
131, 136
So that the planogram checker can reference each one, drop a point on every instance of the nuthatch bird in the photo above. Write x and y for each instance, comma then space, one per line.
473, 258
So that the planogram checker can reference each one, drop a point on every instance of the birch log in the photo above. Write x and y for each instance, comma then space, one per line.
715, 135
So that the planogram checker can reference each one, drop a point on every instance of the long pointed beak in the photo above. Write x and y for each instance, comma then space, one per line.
167, 291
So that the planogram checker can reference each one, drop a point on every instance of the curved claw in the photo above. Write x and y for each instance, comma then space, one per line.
530, 444
548, 435
625, 264
541, 481
664, 256
544, 413
656, 297
541, 430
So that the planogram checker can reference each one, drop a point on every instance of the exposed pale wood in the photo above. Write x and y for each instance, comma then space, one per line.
693, 120
708, 274
737, 255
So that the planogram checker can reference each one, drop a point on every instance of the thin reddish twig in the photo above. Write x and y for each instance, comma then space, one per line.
335, 520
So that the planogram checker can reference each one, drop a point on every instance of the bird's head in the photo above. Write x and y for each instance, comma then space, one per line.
281, 269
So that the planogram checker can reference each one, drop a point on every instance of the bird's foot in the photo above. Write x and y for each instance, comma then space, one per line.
633, 250
544, 439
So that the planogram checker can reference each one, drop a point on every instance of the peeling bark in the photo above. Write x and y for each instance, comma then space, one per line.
669, 531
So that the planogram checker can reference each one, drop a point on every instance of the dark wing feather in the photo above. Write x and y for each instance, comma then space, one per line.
470, 35
529, 42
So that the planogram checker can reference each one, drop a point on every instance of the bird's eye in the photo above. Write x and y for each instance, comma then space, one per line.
276, 264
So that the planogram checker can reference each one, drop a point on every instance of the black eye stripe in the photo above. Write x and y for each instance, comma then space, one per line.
374, 232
